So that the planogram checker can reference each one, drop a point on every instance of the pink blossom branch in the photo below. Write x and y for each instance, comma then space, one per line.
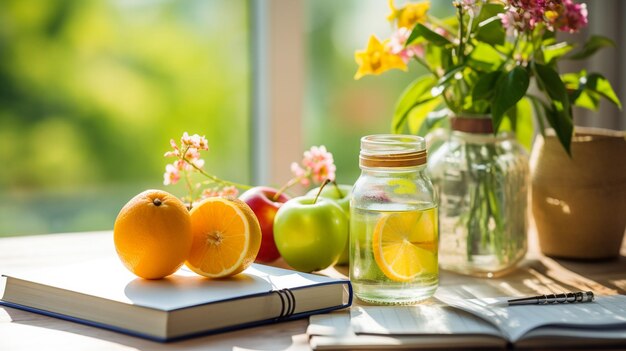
214, 178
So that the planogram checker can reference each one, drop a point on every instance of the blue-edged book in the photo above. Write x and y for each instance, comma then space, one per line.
104, 294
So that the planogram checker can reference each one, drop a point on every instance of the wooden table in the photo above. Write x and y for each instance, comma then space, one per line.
21, 330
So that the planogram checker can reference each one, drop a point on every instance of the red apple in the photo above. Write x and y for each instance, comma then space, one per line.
261, 201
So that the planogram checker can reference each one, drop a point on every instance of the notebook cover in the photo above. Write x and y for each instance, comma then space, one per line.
192, 335
108, 279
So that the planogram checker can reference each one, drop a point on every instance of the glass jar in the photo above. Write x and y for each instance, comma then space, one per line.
394, 231
482, 182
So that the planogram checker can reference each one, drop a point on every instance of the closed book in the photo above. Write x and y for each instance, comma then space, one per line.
103, 293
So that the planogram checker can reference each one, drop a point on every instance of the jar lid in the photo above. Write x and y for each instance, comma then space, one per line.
392, 150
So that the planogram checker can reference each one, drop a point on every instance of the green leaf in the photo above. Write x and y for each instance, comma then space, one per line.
553, 52
551, 81
418, 114
446, 58
421, 31
574, 89
443, 81
487, 11
585, 90
571, 80
491, 31
559, 115
484, 88
524, 126
485, 58
415, 94
510, 88
563, 127
599, 84
595, 43
586, 99
438, 57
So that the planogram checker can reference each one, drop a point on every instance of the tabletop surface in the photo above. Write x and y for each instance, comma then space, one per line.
20, 330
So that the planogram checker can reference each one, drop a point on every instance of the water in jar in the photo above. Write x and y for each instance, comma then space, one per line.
394, 253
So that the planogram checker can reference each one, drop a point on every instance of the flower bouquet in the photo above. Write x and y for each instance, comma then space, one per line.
488, 67
482, 61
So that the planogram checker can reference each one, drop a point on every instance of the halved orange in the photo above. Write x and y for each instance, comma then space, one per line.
226, 237
405, 244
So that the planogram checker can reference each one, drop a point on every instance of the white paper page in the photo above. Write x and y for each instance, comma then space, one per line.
515, 321
333, 331
330, 324
418, 320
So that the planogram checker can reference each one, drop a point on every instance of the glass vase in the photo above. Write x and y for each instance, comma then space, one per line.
482, 181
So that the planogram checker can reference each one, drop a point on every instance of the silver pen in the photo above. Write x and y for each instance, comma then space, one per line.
570, 297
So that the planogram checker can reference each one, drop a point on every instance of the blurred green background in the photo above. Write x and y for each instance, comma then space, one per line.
91, 92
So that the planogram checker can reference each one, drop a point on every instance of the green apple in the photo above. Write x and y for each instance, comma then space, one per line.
341, 197
310, 235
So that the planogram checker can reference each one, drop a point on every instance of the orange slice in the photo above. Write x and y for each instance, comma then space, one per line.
405, 244
226, 237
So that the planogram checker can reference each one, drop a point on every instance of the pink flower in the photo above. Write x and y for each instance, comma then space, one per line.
192, 145
524, 15
563, 15
175, 152
574, 18
193, 156
180, 165
316, 155
397, 42
470, 6
229, 191
171, 175
198, 163
210, 192
194, 141
319, 163
301, 173
323, 171
510, 20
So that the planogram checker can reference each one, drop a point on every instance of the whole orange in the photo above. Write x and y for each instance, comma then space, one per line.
152, 234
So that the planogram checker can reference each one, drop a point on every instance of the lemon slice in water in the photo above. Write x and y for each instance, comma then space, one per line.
405, 244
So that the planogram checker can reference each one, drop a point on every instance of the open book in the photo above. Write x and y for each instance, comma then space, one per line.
473, 323
103, 293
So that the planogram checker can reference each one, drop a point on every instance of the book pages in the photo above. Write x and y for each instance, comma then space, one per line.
516, 321
419, 319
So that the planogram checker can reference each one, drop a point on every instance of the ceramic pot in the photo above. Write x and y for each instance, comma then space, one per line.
579, 203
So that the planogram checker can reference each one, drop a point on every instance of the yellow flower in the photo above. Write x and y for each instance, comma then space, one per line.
376, 59
551, 15
410, 14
